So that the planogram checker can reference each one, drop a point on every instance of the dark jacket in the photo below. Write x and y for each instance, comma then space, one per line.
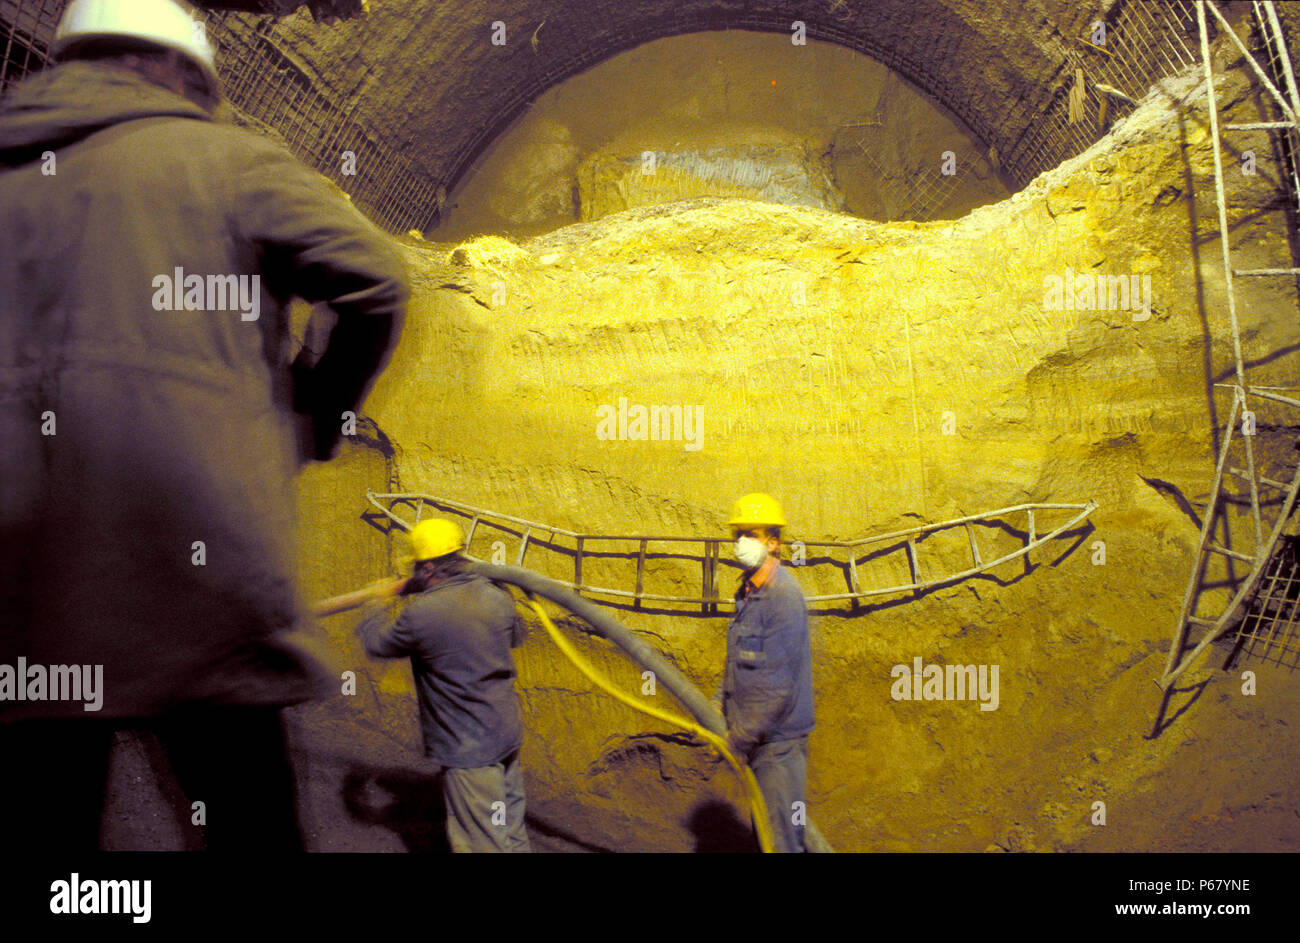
175, 438
767, 689
458, 634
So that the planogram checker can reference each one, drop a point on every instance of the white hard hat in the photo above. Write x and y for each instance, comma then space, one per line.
168, 23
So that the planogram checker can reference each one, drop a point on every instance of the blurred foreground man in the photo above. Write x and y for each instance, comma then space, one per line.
767, 695
151, 425
458, 629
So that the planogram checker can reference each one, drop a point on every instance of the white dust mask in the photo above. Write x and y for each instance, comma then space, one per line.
750, 551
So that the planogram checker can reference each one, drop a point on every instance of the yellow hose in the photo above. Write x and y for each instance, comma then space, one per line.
758, 808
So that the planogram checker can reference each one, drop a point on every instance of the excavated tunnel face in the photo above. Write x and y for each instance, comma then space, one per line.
944, 276
1011, 363
734, 113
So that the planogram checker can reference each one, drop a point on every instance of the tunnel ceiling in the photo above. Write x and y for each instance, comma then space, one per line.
427, 77
326, 10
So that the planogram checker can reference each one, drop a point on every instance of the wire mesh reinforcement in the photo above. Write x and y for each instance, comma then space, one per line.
925, 193
1143, 42
26, 28
266, 85
1270, 631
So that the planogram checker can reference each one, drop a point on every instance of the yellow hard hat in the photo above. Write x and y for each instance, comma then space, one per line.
756, 510
436, 537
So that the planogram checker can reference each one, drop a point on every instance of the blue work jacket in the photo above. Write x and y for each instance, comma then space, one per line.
767, 690
458, 634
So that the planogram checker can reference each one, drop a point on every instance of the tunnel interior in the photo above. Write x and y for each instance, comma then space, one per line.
899, 263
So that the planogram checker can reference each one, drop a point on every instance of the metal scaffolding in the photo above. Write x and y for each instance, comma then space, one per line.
1251, 598
707, 551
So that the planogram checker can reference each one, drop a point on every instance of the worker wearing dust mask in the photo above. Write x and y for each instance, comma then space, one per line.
766, 694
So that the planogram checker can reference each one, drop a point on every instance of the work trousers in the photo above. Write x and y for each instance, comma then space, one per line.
781, 768
231, 759
485, 807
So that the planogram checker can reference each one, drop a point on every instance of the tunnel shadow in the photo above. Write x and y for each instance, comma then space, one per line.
169, 788
538, 826
415, 810
1162, 722
717, 829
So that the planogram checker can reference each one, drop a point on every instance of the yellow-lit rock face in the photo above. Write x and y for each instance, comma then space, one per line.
869, 376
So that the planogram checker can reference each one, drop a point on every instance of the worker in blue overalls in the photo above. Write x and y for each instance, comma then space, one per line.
766, 695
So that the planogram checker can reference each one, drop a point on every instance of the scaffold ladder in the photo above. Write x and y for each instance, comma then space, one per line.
707, 550
1265, 538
